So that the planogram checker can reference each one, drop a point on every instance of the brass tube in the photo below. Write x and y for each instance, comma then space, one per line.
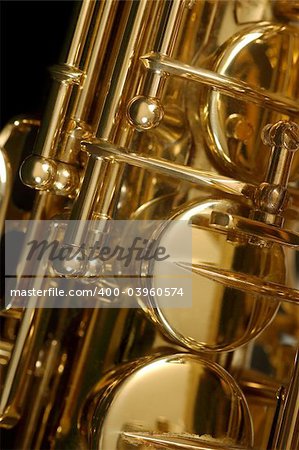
136, 20
54, 117
166, 37
80, 33
92, 69
83, 206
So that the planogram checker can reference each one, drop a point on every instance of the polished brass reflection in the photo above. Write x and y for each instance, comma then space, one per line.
174, 110
176, 403
256, 51
226, 315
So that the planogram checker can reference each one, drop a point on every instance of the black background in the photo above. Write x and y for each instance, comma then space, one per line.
32, 37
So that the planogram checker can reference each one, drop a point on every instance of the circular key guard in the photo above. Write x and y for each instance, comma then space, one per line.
166, 403
237, 267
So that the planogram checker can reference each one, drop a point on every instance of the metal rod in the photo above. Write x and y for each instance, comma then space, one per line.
61, 92
287, 433
108, 120
83, 205
184, 173
175, 442
243, 282
166, 37
230, 86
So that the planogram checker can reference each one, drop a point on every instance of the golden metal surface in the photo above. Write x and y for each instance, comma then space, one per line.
210, 323
167, 168
5, 185
259, 49
288, 417
174, 389
229, 86
156, 112
287, 10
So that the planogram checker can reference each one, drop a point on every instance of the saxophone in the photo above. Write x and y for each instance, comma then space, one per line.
172, 126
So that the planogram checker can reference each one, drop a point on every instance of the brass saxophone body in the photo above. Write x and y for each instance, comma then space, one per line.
178, 112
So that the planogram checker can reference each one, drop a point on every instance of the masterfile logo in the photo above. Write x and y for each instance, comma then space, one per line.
62, 263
